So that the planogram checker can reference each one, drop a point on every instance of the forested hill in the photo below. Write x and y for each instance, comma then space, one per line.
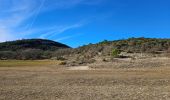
41, 44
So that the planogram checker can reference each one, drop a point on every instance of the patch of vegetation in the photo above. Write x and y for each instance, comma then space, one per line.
115, 53
40, 44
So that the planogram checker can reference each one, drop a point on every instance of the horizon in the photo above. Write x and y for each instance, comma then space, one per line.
80, 22
84, 44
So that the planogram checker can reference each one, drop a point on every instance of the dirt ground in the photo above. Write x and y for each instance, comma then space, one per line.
60, 83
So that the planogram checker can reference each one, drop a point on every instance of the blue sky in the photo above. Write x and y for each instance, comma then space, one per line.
78, 22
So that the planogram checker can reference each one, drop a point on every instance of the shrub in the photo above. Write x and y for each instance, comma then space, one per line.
115, 52
62, 63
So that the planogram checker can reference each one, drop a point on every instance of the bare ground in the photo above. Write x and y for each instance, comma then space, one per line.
58, 83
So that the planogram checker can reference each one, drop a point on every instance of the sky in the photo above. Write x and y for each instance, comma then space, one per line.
80, 22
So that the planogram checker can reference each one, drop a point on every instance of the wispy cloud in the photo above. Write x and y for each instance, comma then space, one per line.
36, 14
67, 37
58, 30
65, 4
14, 14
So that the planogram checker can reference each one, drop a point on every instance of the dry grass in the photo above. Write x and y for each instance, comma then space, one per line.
30, 63
54, 83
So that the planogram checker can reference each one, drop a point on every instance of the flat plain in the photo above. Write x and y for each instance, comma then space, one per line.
45, 80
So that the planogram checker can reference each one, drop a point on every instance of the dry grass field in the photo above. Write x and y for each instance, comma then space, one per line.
29, 63
45, 80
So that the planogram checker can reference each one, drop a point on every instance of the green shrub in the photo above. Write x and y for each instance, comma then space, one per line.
115, 52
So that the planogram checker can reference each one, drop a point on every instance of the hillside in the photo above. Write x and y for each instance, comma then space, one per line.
47, 49
40, 44
131, 45
107, 50
30, 49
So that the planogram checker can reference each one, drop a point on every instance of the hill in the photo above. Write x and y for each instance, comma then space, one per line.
107, 50
46, 49
41, 44
131, 45
29, 49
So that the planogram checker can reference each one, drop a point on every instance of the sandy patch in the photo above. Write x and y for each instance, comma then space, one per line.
79, 68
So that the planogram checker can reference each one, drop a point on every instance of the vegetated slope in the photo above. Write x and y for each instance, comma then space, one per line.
40, 44
106, 49
131, 45
29, 49
46, 49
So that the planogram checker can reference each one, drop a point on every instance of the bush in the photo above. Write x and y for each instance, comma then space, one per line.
115, 53
62, 63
